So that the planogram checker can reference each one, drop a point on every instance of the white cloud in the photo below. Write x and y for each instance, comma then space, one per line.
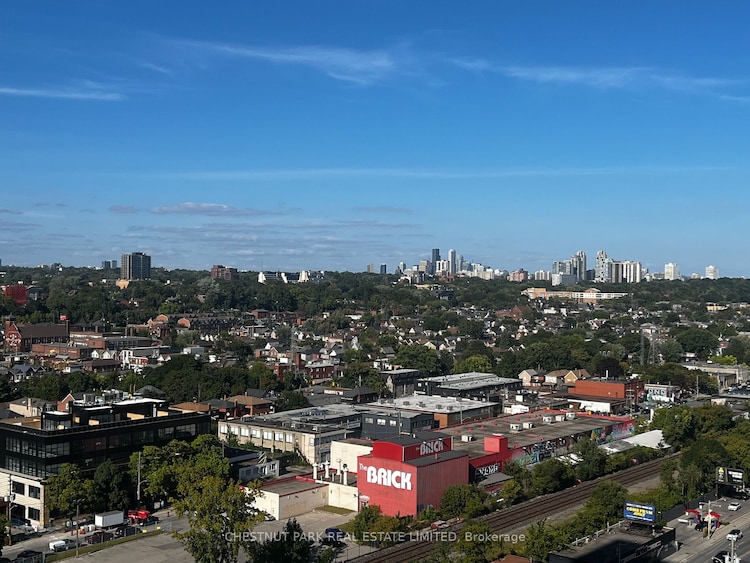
63, 93
210, 209
358, 66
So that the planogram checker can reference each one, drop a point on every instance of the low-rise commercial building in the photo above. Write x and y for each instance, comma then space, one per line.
32, 449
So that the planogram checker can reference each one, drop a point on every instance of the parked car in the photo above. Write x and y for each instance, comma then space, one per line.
721, 557
99, 537
29, 556
149, 520
126, 531
335, 534
733, 506
734, 535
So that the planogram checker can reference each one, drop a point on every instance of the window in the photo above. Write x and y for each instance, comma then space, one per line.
35, 492
223, 428
267, 435
244, 431
392, 422
255, 433
234, 430
18, 488
368, 420
34, 513
289, 438
381, 422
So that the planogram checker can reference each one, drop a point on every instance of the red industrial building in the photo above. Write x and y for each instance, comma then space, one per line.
405, 475
630, 390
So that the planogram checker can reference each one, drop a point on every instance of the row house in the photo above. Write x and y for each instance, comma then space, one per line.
20, 337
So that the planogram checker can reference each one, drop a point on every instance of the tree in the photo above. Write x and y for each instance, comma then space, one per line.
420, 358
677, 425
479, 364
512, 492
462, 499
699, 341
551, 475
541, 540
291, 546
110, 488
219, 520
474, 543
68, 491
364, 520
593, 460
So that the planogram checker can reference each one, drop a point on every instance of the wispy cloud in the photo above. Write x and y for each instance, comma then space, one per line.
382, 209
600, 77
363, 67
436, 174
736, 99
124, 209
209, 209
64, 93
9, 211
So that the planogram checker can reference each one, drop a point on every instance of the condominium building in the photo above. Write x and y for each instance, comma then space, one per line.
135, 266
712, 273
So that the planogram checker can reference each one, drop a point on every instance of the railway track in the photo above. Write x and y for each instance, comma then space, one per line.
514, 517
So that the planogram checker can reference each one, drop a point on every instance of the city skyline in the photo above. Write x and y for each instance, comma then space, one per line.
514, 134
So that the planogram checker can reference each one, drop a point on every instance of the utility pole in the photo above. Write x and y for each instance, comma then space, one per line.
78, 502
138, 487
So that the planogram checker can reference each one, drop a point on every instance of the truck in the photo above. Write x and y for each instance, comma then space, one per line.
109, 519
136, 516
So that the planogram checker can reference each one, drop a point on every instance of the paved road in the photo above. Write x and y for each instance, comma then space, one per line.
164, 548
697, 549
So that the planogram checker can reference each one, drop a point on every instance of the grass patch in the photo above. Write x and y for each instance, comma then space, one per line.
85, 548
335, 510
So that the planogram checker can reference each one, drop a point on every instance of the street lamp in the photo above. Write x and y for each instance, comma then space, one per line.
9, 499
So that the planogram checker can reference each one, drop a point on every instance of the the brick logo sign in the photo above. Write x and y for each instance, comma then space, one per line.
387, 477
432, 447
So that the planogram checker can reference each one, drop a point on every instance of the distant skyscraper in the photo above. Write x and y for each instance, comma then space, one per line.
435, 260
371, 268
579, 265
402, 266
601, 268
135, 266
452, 262
383, 269
106, 264
712, 273
671, 271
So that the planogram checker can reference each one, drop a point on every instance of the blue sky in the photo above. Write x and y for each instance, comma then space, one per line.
330, 135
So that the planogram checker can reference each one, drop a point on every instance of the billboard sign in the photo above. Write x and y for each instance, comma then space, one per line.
729, 476
639, 512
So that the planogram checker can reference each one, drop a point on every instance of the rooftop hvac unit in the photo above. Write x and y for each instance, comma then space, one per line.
548, 419
559, 417
467, 438
570, 416
515, 426
528, 425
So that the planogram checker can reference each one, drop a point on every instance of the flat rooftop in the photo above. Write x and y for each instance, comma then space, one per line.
540, 432
291, 486
438, 405
470, 380
611, 546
